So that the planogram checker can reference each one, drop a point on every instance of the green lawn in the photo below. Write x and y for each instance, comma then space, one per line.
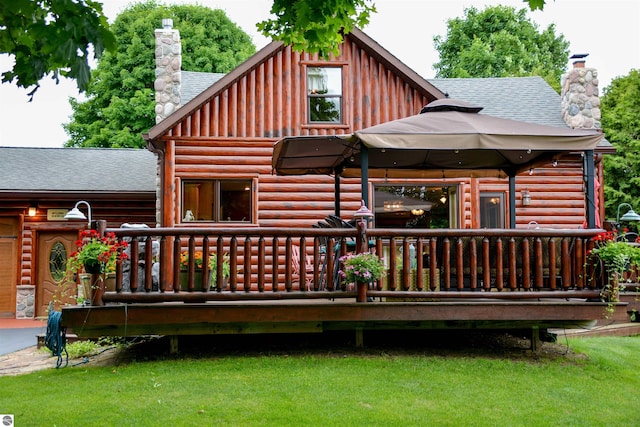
340, 388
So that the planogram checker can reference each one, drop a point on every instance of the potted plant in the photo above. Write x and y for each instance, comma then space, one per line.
226, 270
199, 271
617, 256
95, 254
360, 268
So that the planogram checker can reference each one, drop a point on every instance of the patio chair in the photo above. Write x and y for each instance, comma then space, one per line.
308, 266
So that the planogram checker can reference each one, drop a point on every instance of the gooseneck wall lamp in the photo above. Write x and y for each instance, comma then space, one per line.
630, 215
75, 213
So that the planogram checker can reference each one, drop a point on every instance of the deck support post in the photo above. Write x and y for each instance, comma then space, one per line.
359, 337
535, 339
173, 344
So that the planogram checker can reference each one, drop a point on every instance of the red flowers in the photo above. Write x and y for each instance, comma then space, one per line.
92, 247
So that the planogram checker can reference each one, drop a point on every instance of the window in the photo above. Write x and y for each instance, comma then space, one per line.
492, 210
57, 261
217, 200
414, 206
324, 94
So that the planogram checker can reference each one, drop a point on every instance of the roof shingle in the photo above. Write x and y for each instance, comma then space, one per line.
77, 169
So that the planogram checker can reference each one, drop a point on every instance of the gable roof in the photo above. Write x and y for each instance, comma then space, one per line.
195, 82
76, 169
356, 36
500, 97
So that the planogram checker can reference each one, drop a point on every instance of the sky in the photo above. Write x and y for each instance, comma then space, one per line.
607, 30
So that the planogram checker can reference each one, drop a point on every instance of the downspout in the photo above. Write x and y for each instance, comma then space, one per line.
159, 179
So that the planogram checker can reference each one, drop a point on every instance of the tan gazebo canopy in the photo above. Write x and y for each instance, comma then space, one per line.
448, 138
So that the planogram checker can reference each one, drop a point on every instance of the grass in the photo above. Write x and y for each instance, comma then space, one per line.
340, 388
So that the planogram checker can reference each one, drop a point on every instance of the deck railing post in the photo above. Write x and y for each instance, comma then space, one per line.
361, 246
362, 215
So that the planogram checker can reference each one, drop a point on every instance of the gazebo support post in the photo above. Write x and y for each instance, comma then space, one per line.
336, 191
512, 201
364, 173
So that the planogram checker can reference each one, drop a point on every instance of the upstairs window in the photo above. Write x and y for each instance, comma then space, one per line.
217, 200
324, 94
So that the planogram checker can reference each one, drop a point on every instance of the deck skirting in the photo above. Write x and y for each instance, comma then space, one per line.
233, 317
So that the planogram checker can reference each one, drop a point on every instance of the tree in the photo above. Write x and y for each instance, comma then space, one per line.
52, 37
120, 104
315, 26
499, 42
620, 108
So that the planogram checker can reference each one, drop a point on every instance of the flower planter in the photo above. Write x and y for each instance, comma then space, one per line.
197, 280
84, 289
92, 288
110, 282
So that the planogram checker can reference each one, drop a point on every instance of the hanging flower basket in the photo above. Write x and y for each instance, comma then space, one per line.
360, 268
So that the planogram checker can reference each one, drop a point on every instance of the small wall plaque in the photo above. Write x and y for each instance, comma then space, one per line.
56, 214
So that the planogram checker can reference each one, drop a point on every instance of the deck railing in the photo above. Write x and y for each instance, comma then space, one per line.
420, 263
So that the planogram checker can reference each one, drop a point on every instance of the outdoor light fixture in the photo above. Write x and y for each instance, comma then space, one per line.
363, 212
76, 214
526, 197
443, 199
33, 210
417, 212
393, 205
629, 216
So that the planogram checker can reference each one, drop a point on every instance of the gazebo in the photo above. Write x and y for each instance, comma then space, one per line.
449, 138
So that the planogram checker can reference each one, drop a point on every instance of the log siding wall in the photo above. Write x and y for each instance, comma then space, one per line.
232, 135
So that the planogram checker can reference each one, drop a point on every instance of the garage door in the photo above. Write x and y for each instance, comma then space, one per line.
8, 265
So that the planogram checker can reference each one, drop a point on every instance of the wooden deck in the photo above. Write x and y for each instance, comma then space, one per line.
319, 316
465, 279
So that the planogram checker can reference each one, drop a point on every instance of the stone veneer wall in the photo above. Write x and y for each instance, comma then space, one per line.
168, 71
26, 302
580, 98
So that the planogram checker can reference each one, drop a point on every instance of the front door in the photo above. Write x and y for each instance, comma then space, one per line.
53, 250
8, 265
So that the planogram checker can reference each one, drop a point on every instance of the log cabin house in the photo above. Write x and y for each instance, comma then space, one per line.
218, 193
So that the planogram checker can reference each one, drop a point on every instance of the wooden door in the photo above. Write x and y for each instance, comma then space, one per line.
8, 265
53, 250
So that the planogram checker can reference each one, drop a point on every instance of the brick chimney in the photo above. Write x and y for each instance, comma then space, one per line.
580, 101
168, 70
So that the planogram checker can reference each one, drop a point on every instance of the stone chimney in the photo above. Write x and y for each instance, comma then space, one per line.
168, 66
580, 101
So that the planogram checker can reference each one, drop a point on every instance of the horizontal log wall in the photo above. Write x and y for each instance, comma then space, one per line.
232, 135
